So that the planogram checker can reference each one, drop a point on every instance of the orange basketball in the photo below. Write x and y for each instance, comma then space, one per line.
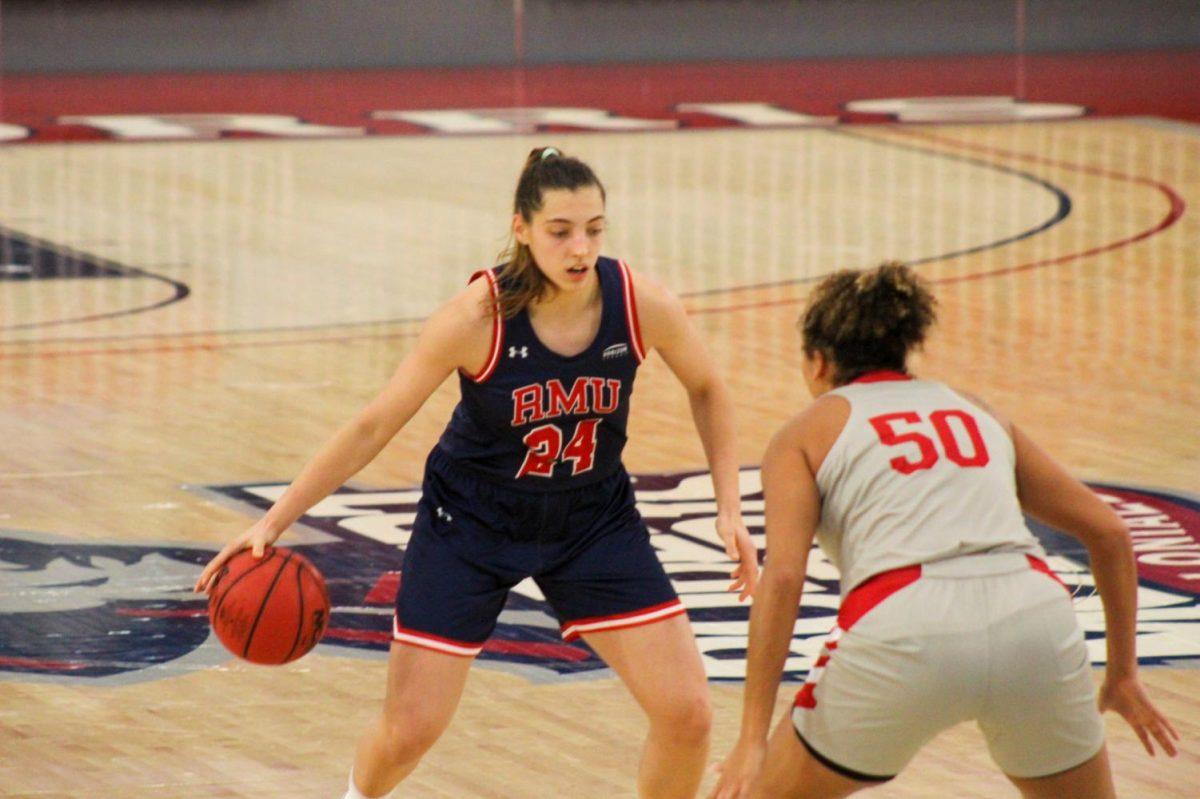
269, 610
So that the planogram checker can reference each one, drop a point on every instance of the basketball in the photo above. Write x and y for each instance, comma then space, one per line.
269, 610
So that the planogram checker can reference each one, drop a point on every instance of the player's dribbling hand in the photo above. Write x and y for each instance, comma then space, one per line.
739, 547
1127, 696
257, 539
738, 771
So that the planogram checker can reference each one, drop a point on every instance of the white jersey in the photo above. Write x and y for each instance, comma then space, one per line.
918, 474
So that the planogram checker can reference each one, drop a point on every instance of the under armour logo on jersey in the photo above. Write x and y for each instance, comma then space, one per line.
443, 515
515, 351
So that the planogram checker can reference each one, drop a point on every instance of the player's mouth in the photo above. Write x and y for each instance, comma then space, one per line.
577, 272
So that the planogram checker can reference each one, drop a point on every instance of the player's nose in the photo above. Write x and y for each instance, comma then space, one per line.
579, 244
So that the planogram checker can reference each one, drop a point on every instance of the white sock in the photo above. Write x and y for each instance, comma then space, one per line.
352, 792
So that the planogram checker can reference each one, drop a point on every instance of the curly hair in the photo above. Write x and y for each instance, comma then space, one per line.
868, 320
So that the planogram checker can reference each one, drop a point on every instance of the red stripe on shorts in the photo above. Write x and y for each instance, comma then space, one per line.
874, 590
1039, 565
858, 603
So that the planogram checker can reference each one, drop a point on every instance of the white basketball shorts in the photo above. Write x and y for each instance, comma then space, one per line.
992, 638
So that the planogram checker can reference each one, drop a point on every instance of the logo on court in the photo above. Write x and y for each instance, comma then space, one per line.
108, 612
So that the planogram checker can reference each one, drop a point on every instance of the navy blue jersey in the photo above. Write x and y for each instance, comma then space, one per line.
541, 421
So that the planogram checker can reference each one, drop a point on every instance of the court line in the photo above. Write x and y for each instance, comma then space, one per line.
53, 475
1177, 208
1177, 203
1064, 208
211, 346
236, 331
1174, 213
180, 290
1061, 213
1164, 123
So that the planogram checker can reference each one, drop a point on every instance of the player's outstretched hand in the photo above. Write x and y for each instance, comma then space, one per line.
1127, 696
739, 770
257, 539
739, 547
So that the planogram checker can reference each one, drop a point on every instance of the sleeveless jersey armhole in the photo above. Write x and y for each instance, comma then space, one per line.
1010, 446
839, 443
497, 328
631, 314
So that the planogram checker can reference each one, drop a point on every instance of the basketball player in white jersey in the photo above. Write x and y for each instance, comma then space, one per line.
915, 492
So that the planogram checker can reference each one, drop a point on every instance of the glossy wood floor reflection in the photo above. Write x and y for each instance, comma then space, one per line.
1067, 264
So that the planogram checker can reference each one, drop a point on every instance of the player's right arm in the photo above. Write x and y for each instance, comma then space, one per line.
1051, 495
793, 508
457, 335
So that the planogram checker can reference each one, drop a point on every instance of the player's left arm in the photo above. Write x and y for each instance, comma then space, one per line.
666, 328
1051, 495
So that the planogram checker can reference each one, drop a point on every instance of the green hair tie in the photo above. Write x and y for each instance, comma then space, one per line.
548, 152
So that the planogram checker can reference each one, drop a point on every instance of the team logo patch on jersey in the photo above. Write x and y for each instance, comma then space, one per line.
107, 612
615, 351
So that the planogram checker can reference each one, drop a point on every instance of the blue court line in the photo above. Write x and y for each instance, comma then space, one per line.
105, 269
182, 291
1061, 213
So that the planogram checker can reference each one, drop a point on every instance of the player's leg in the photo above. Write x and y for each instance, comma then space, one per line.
423, 690
661, 666
1092, 779
606, 583
790, 771
446, 608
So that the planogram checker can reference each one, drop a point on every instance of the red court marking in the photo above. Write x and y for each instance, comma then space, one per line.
385, 590
191, 347
539, 649
1177, 203
162, 614
370, 636
1178, 206
46, 665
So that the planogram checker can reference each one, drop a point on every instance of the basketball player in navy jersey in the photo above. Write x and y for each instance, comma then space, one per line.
949, 612
527, 481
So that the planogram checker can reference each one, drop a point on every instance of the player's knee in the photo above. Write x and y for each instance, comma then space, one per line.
687, 717
411, 731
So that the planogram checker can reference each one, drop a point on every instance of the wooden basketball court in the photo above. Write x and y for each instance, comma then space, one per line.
1067, 264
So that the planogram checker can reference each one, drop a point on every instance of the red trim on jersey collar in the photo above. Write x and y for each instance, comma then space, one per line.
881, 376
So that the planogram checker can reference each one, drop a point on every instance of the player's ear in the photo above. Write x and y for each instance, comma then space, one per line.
822, 367
520, 229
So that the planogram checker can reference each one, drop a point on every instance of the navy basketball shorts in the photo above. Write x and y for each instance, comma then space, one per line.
586, 548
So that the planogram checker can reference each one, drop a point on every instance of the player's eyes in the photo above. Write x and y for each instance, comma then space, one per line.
596, 231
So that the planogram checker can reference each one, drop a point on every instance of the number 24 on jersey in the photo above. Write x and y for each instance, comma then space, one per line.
546, 449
